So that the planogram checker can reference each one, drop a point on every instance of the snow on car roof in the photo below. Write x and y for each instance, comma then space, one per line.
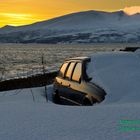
118, 73
77, 58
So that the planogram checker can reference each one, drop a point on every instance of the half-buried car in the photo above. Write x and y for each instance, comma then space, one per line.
87, 80
73, 83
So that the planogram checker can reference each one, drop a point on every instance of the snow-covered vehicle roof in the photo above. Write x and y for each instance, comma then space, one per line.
118, 73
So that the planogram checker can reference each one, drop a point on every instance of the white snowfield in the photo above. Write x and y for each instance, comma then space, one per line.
21, 118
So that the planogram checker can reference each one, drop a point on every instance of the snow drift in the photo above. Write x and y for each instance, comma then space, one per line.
118, 73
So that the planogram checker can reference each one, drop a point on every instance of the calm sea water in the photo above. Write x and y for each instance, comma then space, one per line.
18, 60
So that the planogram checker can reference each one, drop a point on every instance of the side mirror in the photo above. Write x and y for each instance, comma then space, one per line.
79, 80
89, 79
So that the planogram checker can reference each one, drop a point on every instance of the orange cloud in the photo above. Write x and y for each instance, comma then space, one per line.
132, 10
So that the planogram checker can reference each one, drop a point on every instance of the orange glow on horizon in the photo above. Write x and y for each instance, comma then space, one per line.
132, 10
15, 19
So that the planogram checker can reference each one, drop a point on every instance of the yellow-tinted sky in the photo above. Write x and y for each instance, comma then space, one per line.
21, 12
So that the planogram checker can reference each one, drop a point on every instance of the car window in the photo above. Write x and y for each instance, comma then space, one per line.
70, 69
77, 72
63, 69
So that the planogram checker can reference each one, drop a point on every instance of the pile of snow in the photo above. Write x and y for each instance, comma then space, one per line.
118, 73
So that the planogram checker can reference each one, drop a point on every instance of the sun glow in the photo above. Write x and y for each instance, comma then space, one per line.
17, 16
132, 10
15, 19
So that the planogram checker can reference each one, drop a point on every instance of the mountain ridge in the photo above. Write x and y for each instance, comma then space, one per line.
84, 27
67, 15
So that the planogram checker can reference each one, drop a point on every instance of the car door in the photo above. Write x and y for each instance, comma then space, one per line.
66, 83
60, 79
75, 86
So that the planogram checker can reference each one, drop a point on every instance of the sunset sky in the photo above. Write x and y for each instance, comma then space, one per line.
21, 12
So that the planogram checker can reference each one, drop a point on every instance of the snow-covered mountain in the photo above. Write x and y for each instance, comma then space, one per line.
82, 27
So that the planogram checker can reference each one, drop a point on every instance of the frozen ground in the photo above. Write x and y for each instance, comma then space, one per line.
23, 118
